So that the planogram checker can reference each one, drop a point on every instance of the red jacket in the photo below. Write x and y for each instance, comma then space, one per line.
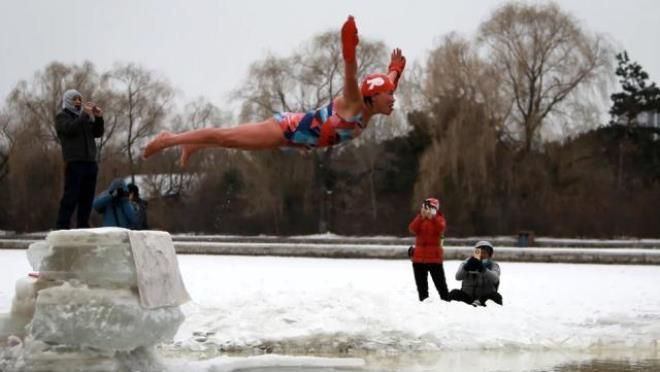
428, 232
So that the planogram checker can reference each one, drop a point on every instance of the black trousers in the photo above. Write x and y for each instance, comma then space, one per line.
458, 295
79, 188
437, 274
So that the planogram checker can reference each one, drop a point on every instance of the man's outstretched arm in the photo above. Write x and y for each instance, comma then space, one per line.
397, 64
349, 42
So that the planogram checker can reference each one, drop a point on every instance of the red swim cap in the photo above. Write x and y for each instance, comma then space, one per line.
376, 83
432, 202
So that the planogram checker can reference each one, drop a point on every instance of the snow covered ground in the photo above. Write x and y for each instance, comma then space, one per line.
364, 315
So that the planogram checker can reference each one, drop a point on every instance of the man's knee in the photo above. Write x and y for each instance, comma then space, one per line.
456, 295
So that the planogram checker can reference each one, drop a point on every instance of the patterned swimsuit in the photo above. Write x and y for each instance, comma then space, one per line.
320, 128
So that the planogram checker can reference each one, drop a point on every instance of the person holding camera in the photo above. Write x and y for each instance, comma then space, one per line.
479, 276
115, 206
77, 126
140, 206
427, 254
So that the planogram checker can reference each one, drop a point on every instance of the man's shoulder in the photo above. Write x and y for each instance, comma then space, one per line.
64, 114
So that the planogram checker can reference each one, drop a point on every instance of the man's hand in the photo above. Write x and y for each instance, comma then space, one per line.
98, 112
349, 39
89, 107
397, 63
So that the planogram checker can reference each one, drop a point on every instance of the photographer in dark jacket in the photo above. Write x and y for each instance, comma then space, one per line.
480, 277
140, 206
77, 126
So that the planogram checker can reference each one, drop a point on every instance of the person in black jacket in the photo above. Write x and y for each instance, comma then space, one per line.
77, 126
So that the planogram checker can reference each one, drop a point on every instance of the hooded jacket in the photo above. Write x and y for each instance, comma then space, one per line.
117, 210
76, 134
428, 234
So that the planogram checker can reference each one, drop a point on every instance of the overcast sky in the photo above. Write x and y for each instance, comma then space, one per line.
205, 47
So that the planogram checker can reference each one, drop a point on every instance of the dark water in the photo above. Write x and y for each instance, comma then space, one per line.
610, 366
497, 361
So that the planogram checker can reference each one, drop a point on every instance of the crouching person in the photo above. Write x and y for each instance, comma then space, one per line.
115, 206
479, 276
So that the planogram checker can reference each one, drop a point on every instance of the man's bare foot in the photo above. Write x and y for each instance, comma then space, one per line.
186, 153
157, 144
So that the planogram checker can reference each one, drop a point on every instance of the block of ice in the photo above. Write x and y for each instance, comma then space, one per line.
106, 319
38, 356
158, 276
84, 312
11, 325
36, 253
25, 296
88, 237
102, 265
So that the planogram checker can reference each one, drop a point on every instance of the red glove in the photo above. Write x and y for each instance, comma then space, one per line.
349, 39
397, 64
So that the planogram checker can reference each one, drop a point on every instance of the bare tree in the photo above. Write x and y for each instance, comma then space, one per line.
196, 114
544, 56
141, 102
39, 100
311, 76
6, 144
200, 113
461, 116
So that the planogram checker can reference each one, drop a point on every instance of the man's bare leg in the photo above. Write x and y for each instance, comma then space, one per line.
254, 136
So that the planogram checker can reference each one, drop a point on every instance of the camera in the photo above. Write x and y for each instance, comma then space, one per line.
118, 193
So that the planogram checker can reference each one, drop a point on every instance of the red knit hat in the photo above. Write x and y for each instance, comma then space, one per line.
376, 83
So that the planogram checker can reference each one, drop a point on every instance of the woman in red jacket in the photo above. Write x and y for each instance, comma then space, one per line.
429, 227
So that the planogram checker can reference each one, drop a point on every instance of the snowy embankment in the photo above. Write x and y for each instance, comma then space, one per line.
299, 304
353, 308
645, 251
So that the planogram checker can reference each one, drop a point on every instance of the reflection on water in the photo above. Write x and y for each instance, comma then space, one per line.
610, 366
487, 361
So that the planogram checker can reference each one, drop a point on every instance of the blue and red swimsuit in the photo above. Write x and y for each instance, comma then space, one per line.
320, 128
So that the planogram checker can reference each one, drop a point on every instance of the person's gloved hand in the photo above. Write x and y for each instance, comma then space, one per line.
349, 39
473, 264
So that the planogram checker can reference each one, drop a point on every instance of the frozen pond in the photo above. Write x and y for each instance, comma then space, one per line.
363, 315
